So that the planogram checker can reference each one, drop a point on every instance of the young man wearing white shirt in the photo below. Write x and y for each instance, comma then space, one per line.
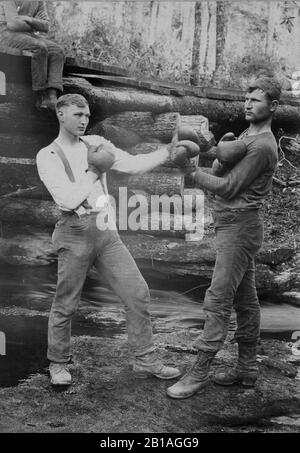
79, 242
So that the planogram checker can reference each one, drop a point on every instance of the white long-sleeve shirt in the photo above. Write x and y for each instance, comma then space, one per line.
70, 195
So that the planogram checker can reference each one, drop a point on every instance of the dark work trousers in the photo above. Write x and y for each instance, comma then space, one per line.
47, 61
79, 244
239, 236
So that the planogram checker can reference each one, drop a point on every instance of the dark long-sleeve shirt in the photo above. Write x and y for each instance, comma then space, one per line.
247, 184
10, 10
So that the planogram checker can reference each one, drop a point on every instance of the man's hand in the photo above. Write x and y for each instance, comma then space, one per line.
181, 153
86, 205
218, 169
99, 159
26, 19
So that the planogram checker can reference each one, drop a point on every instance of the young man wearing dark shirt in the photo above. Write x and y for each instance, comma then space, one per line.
239, 195
23, 25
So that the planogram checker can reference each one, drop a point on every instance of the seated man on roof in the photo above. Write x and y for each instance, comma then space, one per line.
23, 26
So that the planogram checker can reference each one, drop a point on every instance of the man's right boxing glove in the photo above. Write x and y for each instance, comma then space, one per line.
181, 153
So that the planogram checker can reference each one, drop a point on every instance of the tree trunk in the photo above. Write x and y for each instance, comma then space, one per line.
154, 14
22, 119
222, 26
16, 173
23, 145
145, 124
172, 258
205, 63
28, 212
23, 173
120, 136
195, 71
291, 148
153, 183
200, 124
41, 213
224, 115
129, 128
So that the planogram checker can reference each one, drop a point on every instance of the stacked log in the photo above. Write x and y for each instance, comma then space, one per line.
223, 115
160, 256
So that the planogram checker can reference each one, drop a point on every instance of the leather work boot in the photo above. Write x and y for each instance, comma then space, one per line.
246, 371
149, 364
59, 374
195, 379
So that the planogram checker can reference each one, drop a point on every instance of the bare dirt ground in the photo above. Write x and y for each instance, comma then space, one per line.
107, 397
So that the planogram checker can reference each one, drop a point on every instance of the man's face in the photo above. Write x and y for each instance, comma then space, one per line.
257, 107
74, 119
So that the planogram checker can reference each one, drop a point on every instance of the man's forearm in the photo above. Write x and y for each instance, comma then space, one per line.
18, 25
141, 163
40, 25
209, 182
72, 196
237, 179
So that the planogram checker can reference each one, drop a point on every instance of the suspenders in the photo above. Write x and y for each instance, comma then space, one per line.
68, 168
65, 161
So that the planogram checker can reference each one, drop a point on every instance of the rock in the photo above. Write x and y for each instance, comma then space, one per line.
287, 369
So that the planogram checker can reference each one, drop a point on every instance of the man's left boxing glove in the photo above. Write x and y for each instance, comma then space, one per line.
100, 159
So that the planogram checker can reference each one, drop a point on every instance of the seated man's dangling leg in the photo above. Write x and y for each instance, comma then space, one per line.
39, 60
54, 84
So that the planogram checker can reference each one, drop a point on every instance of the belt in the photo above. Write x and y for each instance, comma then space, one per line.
70, 213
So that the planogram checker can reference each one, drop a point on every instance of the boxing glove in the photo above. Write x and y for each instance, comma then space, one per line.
228, 137
187, 133
181, 153
100, 159
230, 152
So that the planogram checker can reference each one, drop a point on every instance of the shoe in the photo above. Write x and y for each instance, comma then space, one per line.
195, 379
46, 101
151, 365
246, 371
59, 374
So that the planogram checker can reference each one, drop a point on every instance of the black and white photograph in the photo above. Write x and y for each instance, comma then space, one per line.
149, 220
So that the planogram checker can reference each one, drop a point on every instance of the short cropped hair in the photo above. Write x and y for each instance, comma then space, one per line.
270, 86
71, 99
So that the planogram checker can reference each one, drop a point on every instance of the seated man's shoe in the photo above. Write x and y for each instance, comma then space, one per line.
59, 374
195, 379
246, 379
47, 100
149, 364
